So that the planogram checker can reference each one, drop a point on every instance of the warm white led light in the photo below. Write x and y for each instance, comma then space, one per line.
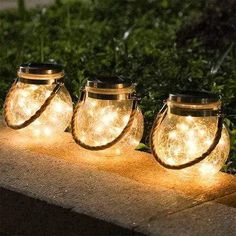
180, 139
189, 118
103, 120
183, 127
47, 131
28, 98
173, 135
58, 106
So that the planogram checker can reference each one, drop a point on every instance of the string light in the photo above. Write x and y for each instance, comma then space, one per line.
58, 106
47, 131
173, 135
30, 94
103, 116
182, 138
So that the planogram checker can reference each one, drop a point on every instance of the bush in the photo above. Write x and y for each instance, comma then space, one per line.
146, 41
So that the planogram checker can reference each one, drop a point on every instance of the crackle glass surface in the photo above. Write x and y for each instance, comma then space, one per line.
28, 98
180, 139
101, 121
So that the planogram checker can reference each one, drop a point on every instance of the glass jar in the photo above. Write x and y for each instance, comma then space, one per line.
38, 104
107, 118
189, 133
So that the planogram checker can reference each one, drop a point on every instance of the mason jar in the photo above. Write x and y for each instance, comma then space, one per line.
38, 104
189, 133
107, 118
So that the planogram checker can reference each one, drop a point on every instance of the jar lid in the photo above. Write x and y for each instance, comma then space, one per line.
109, 88
109, 82
194, 97
40, 73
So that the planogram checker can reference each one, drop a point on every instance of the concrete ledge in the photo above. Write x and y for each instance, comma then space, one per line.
124, 195
22, 215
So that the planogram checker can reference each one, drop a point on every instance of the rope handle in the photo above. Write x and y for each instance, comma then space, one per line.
36, 115
158, 121
113, 142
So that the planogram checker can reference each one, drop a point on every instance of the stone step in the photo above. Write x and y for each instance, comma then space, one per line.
53, 183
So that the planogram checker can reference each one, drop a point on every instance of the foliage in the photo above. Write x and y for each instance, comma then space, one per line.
138, 39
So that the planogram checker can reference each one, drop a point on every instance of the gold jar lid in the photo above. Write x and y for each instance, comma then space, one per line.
194, 103
40, 73
109, 88
194, 97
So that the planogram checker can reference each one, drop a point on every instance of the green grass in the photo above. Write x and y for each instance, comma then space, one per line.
137, 39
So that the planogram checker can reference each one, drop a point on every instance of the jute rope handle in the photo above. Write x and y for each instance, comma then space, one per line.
113, 142
158, 121
36, 115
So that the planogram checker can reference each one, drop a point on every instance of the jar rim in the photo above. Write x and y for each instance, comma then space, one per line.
195, 97
40, 68
40, 73
108, 82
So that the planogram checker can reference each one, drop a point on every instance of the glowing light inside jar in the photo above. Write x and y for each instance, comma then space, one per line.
182, 139
101, 121
28, 98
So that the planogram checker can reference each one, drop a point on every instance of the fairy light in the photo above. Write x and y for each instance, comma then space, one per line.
28, 97
28, 111
191, 133
109, 117
183, 127
222, 142
93, 103
21, 101
117, 130
180, 139
53, 118
47, 131
19, 122
83, 136
202, 132
103, 141
177, 151
107, 125
189, 118
47, 94
191, 147
170, 161
35, 87
208, 141
99, 129
58, 106
103, 115
126, 119
173, 135
24, 93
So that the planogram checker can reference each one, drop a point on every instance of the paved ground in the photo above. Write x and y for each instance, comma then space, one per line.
130, 192
7, 4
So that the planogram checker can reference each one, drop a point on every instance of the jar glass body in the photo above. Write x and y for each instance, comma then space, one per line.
101, 121
181, 139
28, 98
